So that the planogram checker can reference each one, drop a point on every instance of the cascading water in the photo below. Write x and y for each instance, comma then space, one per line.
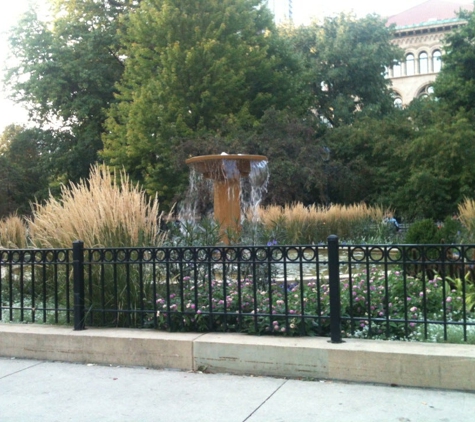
198, 201
237, 181
253, 189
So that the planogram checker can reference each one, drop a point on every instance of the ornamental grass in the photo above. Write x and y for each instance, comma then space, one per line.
299, 224
106, 210
13, 233
467, 217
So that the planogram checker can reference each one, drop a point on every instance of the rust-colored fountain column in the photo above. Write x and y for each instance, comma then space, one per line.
226, 170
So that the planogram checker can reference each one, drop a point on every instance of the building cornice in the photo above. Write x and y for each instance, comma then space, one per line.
428, 27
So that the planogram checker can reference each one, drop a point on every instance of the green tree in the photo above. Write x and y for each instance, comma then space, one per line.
439, 160
455, 84
346, 63
298, 159
64, 73
419, 161
366, 158
22, 169
194, 67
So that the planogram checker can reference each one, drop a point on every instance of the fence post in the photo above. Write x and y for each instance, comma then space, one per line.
78, 285
334, 276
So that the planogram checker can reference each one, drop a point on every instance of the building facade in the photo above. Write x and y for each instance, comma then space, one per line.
420, 32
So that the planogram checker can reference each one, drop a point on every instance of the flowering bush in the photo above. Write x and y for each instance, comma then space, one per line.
399, 305
282, 307
381, 304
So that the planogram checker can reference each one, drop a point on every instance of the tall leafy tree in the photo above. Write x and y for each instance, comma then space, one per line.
298, 159
346, 63
439, 161
23, 161
419, 160
455, 84
191, 66
64, 72
366, 158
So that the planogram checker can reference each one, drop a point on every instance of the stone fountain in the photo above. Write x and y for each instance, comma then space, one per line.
226, 172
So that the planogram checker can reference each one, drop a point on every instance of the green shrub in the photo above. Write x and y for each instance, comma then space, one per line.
455, 333
427, 232
451, 231
422, 232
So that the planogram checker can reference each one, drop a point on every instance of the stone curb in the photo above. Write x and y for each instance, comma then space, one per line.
442, 366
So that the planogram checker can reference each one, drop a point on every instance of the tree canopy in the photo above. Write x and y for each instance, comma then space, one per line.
417, 161
346, 65
64, 72
146, 84
192, 67
455, 85
23, 170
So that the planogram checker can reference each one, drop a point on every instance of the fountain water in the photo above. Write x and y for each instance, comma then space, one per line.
238, 184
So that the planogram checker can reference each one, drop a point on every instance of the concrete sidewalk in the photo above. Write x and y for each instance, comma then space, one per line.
51, 391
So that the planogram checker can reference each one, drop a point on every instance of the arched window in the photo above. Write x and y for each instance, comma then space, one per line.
397, 70
410, 65
423, 62
436, 61
397, 99
425, 91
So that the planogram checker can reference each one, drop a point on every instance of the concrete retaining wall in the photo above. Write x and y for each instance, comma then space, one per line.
443, 366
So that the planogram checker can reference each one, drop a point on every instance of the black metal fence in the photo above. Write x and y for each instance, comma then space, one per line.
421, 292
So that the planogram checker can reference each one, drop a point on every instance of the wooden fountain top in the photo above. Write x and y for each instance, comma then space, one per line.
224, 166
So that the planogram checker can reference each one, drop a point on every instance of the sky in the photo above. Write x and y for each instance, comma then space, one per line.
302, 11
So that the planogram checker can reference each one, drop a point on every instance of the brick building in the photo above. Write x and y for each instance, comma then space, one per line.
420, 32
